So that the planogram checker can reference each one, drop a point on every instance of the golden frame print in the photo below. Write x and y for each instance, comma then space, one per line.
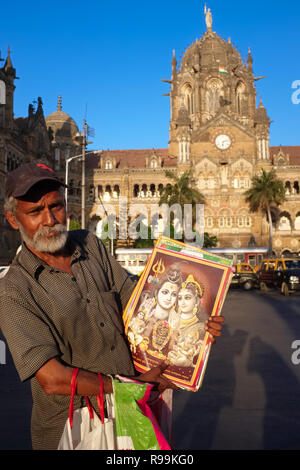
165, 317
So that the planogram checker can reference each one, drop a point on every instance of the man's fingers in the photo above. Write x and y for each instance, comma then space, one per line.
213, 331
216, 319
163, 366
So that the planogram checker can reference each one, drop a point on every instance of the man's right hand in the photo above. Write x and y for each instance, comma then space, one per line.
155, 376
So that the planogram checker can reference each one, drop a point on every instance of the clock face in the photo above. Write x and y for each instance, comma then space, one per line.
223, 142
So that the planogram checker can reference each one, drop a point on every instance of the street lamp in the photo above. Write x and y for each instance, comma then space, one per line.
68, 160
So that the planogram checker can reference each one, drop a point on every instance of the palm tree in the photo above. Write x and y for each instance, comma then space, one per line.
266, 191
181, 192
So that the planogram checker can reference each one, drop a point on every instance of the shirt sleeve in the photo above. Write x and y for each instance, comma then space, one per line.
29, 338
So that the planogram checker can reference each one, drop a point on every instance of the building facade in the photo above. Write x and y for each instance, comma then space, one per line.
217, 129
21, 140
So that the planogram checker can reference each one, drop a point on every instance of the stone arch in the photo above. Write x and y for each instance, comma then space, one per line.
116, 191
286, 252
297, 221
288, 187
241, 98
285, 221
188, 97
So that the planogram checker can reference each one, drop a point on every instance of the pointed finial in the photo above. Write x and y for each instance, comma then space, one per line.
8, 63
59, 104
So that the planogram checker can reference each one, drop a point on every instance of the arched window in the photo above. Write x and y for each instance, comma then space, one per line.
153, 163
57, 158
116, 192
213, 93
241, 99
297, 221
209, 222
188, 98
152, 190
136, 190
241, 221
108, 165
2, 92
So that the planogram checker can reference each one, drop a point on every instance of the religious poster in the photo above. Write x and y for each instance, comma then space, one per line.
165, 317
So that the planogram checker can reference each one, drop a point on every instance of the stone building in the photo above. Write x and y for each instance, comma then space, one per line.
21, 140
217, 128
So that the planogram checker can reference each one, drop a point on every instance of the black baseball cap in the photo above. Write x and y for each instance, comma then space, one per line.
21, 180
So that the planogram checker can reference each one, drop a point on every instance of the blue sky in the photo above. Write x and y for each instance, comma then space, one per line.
106, 59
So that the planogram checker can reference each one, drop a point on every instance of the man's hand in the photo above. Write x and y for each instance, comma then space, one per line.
155, 376
214, 327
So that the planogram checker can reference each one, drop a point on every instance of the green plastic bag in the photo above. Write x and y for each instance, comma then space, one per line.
136, 425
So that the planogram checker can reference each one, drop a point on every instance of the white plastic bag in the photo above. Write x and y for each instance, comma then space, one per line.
83, 429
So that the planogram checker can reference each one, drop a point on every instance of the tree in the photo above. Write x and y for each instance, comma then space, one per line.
210, 241
144, 243
181, 192
74, 224
267, 191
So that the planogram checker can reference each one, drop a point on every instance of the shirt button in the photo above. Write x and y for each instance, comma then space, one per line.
88, 300
73, 279
112, 348
102, 324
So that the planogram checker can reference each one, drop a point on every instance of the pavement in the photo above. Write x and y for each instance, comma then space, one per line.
250, 397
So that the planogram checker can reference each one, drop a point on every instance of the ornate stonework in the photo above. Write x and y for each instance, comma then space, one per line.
216, 128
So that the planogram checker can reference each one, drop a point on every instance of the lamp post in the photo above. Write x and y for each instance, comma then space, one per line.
68, 160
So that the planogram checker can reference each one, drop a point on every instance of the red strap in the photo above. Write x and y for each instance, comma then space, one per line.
100, 399
91, 413
73, 391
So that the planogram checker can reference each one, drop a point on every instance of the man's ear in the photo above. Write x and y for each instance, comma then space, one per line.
12, 220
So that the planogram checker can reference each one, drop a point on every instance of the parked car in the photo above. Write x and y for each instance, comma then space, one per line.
244, 276
280, 273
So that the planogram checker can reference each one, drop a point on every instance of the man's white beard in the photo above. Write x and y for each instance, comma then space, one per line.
51, 245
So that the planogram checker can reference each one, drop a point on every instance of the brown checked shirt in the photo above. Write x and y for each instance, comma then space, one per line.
47, 313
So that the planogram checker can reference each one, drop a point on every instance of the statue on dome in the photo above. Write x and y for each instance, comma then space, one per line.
208, 18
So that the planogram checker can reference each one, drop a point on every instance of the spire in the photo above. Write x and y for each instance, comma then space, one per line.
174, 65
59, 103
8, 63
249, 60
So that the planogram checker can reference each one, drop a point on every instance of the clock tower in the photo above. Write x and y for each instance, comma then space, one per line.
217, 130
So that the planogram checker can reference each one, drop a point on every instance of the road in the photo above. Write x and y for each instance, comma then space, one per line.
250, 398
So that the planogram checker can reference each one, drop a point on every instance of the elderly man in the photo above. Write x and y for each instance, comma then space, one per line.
61, 305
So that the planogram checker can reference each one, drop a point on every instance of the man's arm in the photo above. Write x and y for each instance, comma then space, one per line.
55, 379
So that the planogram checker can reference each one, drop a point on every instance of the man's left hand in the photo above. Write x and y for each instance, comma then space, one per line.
214, 327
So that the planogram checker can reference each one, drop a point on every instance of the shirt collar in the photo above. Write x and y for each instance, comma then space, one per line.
34, 265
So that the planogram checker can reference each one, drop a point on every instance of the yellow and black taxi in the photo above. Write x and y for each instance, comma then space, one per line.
280, 273
244, 276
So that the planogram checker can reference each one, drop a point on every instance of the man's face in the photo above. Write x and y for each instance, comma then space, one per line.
41, 219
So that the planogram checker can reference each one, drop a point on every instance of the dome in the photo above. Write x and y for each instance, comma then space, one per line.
61, 124
210, 50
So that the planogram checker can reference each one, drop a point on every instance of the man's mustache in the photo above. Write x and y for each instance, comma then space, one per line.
45, 231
